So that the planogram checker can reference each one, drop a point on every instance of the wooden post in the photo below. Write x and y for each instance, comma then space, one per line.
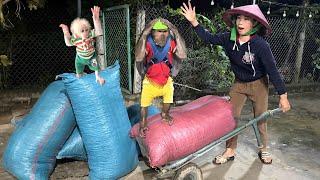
78, 8
100, 52
140, 26
101, 45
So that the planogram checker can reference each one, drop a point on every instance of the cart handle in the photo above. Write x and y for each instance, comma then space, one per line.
275, 111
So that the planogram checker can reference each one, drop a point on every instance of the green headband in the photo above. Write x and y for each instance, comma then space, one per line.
233, 36
160, 26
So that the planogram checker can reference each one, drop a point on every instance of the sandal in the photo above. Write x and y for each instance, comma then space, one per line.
220, 159
264, 155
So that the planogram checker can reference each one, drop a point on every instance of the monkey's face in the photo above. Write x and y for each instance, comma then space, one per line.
84, 31
160, 37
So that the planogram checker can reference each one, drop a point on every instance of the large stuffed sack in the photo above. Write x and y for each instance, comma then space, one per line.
134, 116
195, 125
32, 148
103, 122
74, 147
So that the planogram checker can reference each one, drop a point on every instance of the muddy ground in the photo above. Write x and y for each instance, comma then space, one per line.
294, 144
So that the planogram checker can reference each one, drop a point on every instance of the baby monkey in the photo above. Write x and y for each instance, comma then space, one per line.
83, 37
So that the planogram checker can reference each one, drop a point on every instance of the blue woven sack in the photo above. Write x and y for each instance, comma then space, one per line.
103, 123
34, 144
74, 148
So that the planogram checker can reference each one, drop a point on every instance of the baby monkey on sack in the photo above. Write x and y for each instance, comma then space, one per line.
83, 38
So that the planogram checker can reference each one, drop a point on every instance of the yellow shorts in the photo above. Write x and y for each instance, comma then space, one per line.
151, 90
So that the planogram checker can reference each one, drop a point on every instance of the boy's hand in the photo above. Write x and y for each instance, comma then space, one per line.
189, 13
64, 28
95, 13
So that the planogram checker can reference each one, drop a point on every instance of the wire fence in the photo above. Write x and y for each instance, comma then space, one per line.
117, 42
38, 52
293, 42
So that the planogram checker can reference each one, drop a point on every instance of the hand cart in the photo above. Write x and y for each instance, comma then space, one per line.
186, 169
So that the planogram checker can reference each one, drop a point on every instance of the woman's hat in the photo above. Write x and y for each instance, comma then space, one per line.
252, 11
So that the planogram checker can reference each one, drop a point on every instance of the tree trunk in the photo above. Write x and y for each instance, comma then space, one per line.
5, 2
292, 43
302, 41
141, 18
286, 68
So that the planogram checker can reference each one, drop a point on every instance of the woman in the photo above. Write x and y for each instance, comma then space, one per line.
252, 63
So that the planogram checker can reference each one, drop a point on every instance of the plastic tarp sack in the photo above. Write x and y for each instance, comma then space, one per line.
195, 125
103, 122
74, 147
33, 146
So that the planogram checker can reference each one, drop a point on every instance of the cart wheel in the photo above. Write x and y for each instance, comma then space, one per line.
189, 172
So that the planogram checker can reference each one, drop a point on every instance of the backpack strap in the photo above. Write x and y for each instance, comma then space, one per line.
159, 54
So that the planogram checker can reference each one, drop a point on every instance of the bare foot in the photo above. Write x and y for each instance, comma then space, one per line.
80, 75
100, 80
142, 131
143, 128
167, 118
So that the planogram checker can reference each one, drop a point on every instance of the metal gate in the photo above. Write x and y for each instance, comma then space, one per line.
116, 22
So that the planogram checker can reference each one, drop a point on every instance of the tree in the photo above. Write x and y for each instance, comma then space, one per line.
32, 5
302, 40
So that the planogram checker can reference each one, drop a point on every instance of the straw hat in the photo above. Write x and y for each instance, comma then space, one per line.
252, 11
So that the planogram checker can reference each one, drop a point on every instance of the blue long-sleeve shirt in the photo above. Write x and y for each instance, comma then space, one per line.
252, 61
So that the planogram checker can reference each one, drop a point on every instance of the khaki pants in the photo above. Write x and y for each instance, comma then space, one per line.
257, 92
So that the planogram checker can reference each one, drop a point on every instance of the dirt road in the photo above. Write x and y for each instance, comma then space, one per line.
294, 144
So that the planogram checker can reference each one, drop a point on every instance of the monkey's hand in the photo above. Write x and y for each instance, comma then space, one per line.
95, 13
65, 29
96, 20
66, 34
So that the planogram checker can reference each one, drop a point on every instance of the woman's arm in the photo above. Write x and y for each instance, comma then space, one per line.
274, 75
189, 13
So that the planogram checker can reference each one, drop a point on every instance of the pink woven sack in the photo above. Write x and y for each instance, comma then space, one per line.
195, 125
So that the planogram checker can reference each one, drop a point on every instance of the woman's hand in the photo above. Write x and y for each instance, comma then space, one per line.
284, 103
189, 13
